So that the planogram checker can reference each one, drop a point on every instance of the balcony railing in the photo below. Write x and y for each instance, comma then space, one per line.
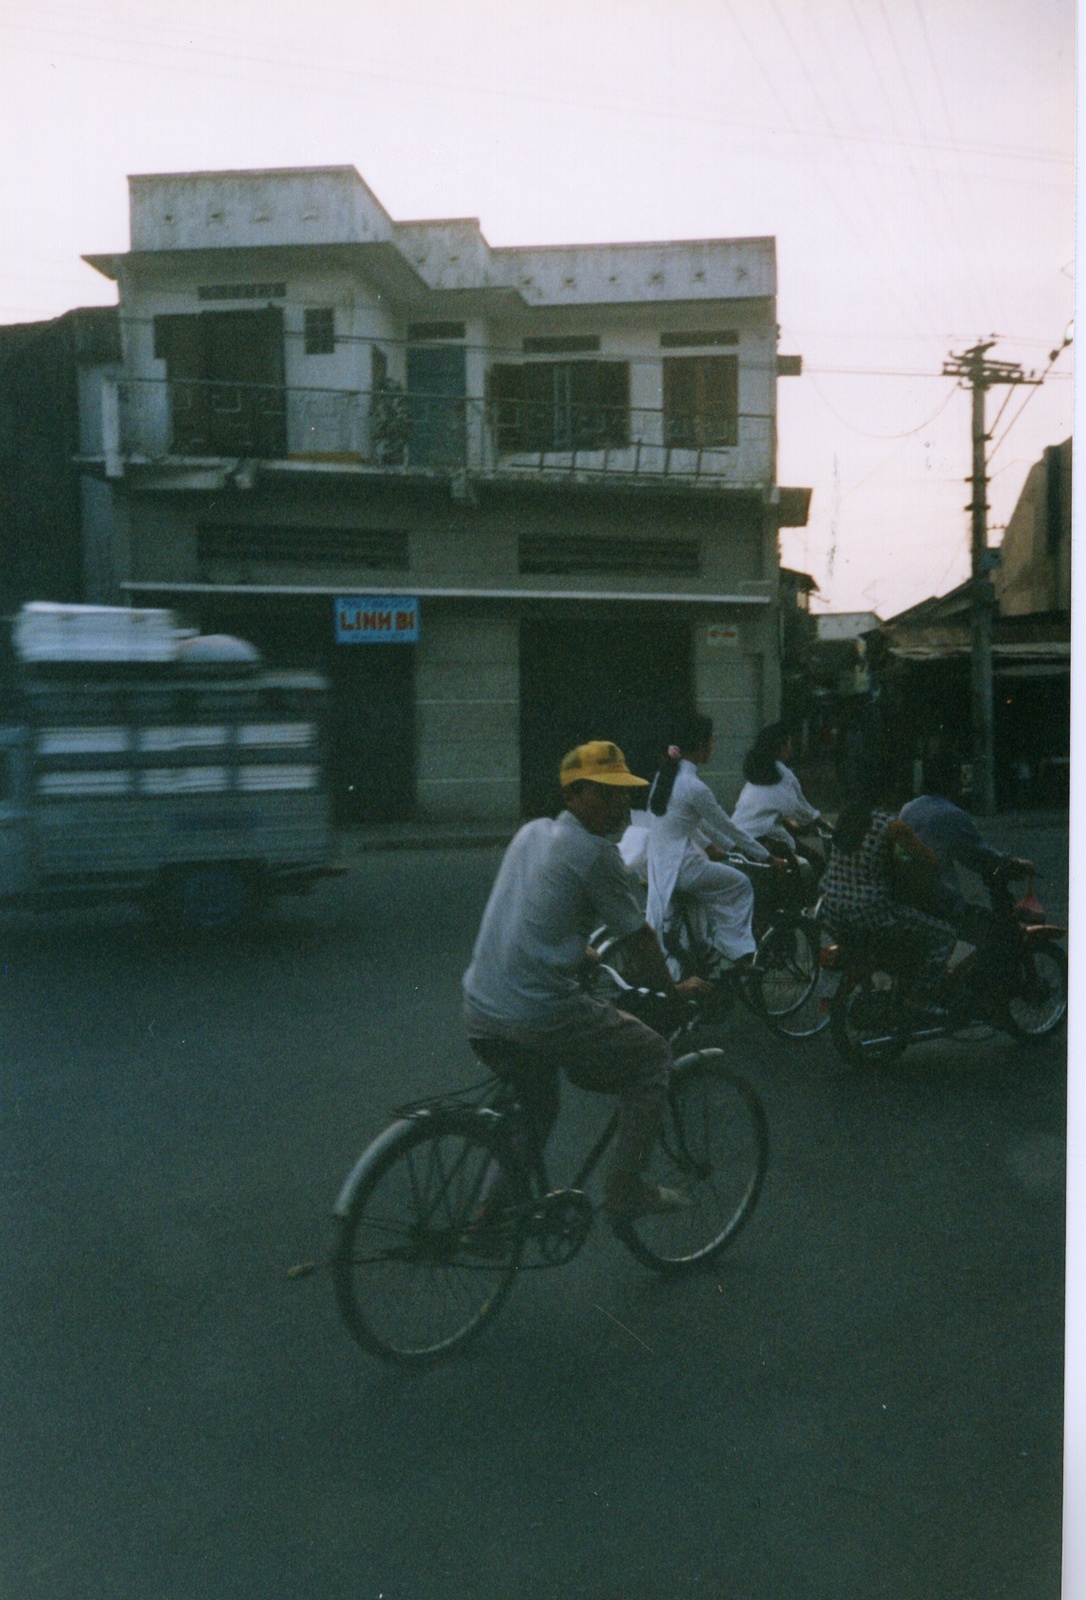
150, 421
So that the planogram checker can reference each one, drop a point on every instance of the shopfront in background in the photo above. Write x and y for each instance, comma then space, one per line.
371, 671
597, 676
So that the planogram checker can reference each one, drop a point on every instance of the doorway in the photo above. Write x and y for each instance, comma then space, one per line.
597, 678
371, 732
436, 385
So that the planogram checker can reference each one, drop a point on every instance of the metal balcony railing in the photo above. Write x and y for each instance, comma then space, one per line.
433, 434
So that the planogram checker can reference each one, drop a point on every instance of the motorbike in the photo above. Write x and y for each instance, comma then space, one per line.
1014, 981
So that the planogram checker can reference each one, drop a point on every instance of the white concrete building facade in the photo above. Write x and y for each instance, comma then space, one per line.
559, 464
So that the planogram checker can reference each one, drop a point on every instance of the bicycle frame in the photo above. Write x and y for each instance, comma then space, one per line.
496, 1098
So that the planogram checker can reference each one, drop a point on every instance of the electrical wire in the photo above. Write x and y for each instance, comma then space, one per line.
907, 433
1033, 390
326, 70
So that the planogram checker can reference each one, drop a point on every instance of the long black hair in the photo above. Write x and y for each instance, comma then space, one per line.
852, 824
760, 761
689, 732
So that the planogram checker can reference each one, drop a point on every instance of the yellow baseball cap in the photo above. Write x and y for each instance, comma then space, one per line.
599, 761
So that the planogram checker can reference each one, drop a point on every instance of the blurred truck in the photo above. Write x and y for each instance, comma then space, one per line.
141, 760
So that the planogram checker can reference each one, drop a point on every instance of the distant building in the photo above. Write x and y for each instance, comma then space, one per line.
926, 667
55, 518
833, 626
1034, 573
507, 499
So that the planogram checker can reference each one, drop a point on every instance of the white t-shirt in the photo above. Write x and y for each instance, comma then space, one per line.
556, 884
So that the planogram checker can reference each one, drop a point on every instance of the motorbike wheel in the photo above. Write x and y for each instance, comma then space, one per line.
1038, 1003
867, 1021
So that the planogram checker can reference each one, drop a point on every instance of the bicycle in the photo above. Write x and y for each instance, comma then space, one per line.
435, 1220
788, 983
796, 975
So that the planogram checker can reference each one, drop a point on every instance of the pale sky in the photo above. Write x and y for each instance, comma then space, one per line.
913, 158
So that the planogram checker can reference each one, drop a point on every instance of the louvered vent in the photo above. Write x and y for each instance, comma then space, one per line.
305, 547
562, 556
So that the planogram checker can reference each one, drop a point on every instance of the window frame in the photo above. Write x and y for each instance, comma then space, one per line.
319, 330
556, 407
705, 421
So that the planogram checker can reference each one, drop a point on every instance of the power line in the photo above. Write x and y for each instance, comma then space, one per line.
1052, 362
960, 255
906, 433
873, 209
640, 108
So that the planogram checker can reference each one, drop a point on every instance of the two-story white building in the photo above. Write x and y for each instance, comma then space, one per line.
507, 499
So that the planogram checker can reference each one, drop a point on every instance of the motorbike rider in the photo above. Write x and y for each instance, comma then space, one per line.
954, 839
859, 896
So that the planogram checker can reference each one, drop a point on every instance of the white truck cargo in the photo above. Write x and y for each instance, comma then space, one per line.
139, 760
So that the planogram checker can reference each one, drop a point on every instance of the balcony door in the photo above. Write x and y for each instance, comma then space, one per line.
225, 372
436, 386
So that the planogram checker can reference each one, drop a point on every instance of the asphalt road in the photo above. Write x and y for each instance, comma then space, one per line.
863, 1399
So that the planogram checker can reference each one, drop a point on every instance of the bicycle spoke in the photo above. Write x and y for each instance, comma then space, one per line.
410, 1278
714, 1151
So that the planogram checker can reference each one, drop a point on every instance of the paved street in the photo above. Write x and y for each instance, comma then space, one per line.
862, 1400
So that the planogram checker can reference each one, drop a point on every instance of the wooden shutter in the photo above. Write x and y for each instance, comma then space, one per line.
719, 400
505, 393
177, 342
680, 401
613, 396
537, 406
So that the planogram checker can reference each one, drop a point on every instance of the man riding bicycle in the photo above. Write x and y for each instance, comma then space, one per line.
559, 879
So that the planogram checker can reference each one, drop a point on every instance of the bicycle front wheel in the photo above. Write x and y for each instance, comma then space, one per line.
1038, 1002
429, 1234
714, 1148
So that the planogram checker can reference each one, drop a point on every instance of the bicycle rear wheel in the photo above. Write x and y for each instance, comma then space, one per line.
868, 1018
811, 1016
713, 1148
786, 968
419, 1262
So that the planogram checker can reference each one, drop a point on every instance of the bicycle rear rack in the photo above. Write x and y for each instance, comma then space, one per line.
476, 1097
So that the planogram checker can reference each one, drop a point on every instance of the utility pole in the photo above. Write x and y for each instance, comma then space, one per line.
980, 375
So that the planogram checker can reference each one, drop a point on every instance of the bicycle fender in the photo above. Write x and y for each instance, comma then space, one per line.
392, 1133
369, 1155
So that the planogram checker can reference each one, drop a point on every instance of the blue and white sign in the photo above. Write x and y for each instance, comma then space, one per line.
375, 619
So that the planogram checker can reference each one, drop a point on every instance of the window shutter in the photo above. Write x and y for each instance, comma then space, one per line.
613, 395
720, 378
505, 393
537, 407
680, 401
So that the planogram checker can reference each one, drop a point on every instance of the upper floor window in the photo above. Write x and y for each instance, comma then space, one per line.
425, 331
561, 344
561, 405
320, 331
701, 401
697, 338
241, 291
